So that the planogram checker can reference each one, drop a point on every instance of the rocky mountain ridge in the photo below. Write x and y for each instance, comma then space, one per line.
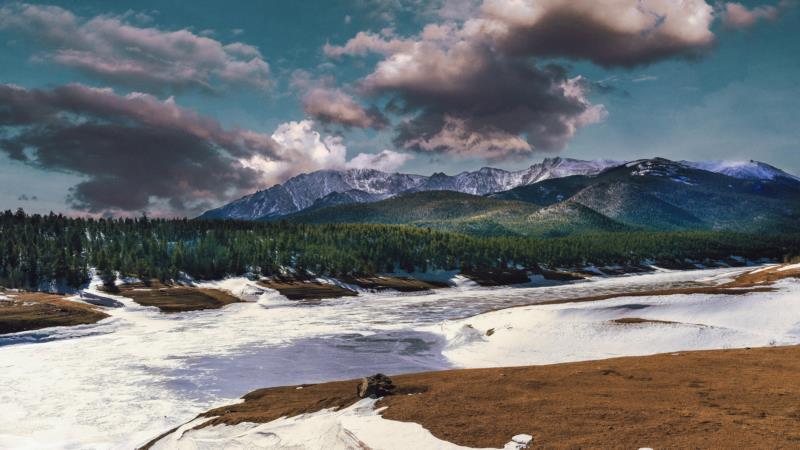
334, 187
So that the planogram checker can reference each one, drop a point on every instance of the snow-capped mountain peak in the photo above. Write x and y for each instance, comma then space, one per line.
749, 170
563, 167
302, 191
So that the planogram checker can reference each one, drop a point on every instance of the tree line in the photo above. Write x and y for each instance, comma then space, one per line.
38, 251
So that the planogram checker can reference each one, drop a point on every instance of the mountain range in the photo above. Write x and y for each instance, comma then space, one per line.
557, 197
367, 185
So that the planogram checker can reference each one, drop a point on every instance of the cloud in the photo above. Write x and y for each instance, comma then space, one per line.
476, 84
610, 33
133, 150
365, 43
313, 151
736, 15
393, 11
332, 105
456, 9
386, 161
460, 95
388, 10
318, 152
27, 198
111, 49
136, 152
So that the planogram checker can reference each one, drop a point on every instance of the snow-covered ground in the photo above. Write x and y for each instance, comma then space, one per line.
567, 332
356, 427
119, 383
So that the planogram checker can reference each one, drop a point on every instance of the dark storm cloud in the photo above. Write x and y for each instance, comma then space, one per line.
134, 151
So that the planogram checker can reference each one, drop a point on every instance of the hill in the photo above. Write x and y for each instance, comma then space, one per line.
454, 211
659, 194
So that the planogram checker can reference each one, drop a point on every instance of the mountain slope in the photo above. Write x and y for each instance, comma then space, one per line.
660, 194
300, 192
489, 180
747, 170
547, 192
454, 211
345, 198
414, 207
568, 218
631, 204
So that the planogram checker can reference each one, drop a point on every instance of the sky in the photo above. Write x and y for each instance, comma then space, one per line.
172, 108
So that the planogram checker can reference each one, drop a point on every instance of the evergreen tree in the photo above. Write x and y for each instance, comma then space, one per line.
40, 249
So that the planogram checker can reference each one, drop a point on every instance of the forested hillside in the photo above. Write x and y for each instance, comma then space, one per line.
441, 210
663, 195
464, 213
38, 250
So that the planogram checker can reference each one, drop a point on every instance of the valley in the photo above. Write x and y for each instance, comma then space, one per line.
399, 225
206, 359
519, 300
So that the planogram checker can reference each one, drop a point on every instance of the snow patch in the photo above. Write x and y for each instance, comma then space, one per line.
240, 287
748, 170
357, 426
460, 281
548, 334
466, 334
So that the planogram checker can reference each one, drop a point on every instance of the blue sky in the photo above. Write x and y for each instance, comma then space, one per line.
259, 97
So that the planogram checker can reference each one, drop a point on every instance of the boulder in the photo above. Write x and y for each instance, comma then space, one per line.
378, 385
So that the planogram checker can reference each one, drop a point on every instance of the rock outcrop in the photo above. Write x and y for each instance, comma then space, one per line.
378, 385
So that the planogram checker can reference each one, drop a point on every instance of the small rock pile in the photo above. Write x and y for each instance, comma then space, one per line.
378, 385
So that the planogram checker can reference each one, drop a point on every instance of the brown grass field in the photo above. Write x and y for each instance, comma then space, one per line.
380, 283
35, 310
745, 398
306, 290
173, 299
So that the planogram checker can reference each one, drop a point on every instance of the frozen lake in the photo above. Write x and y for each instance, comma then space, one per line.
131, 377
